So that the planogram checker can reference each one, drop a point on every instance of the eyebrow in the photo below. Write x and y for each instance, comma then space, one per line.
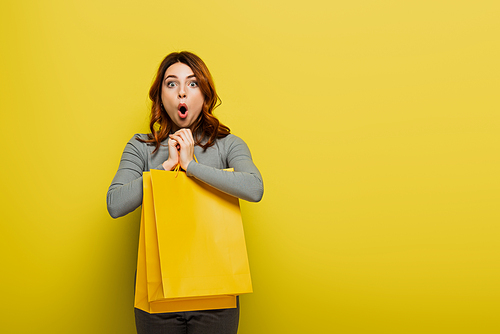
174, 76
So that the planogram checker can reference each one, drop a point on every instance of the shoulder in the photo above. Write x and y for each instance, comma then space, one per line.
136, 139
142, 136
230, 140
232, 144
135, 144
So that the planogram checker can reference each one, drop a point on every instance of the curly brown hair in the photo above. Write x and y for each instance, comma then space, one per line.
206, 126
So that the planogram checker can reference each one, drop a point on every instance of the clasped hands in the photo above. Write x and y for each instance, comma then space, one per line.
180, 149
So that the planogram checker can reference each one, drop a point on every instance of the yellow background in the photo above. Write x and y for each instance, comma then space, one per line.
374, 123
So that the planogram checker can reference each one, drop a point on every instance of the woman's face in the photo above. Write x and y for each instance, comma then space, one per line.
181, 96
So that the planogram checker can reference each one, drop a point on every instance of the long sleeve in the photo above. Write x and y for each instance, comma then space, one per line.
245, 182
125, 193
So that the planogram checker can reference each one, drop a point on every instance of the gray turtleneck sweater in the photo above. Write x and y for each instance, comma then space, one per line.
125, 193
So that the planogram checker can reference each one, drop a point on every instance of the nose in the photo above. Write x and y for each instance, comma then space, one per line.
182, 92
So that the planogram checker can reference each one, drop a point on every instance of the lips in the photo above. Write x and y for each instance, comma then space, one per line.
182, 110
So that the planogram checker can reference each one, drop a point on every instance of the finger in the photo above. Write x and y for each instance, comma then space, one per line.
182, 139
173, 144
176, 138
183, 130
185, 137
186, 134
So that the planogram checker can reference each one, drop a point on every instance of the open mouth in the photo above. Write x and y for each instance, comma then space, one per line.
183, 110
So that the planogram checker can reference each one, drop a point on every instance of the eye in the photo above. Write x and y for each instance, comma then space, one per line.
170, 84
193, 84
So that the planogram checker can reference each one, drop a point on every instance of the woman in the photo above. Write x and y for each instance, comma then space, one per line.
182, 126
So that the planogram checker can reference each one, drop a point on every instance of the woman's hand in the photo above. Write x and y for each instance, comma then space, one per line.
173, 155
185, 142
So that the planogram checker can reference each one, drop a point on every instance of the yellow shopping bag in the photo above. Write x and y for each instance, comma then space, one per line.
192, 252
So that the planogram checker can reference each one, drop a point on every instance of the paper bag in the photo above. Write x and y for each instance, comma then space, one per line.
192, 252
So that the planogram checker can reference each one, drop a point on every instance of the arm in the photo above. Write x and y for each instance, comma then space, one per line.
245, 182
125, 193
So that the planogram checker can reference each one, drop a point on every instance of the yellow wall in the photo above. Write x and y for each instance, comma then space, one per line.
375, 125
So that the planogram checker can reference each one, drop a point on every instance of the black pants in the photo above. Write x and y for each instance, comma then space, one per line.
224, 321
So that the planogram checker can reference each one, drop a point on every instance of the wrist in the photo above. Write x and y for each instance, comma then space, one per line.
187, 164
168, 165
